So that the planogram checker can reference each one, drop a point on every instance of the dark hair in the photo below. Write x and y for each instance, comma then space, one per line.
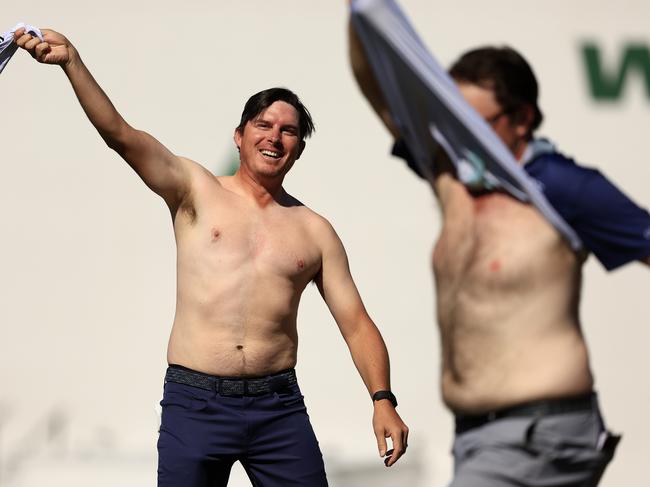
259, 102
507, 73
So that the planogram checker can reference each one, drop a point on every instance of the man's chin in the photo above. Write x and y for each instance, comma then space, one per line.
272, 173
269, 170
273, 170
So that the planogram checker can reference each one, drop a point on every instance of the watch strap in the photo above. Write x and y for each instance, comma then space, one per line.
379, 395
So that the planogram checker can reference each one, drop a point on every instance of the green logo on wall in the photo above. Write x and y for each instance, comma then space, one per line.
608, 83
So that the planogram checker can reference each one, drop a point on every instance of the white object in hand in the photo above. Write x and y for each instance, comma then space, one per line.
7, 45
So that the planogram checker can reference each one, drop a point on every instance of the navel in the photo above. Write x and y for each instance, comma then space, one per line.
240, 347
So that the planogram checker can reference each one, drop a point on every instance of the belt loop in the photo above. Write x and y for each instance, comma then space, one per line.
217, 384
245, 381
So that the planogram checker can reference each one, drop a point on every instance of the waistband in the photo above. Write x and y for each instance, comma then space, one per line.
232, 386
545, 407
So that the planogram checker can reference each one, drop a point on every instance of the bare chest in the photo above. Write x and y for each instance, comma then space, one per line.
228, 236
497, 239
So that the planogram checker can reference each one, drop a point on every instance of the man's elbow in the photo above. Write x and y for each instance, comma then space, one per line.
361, 328
120, 138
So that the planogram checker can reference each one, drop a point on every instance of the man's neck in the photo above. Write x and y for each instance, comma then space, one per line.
263, 192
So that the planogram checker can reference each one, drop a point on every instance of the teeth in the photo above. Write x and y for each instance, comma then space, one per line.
270, 153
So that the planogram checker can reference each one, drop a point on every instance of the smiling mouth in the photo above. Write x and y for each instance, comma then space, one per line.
270, 153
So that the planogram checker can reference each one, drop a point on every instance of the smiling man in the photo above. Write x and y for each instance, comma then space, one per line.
246, 250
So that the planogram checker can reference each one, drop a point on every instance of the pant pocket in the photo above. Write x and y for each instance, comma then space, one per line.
573, 447
290, 397
183, 397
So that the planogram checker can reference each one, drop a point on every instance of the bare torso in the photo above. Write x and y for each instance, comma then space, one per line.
241, 271
508, 289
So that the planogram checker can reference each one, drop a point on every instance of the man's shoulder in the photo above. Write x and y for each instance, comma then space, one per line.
312, 219
202, 180
559, 175
610, 225
194, 166
196, 171
319, 228
557, 164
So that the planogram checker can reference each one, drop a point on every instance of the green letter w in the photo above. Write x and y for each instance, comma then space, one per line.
609, 85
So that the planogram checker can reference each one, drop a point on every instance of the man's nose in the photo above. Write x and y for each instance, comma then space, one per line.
274, 135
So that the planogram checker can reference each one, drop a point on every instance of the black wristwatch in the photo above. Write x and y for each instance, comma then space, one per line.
379, 395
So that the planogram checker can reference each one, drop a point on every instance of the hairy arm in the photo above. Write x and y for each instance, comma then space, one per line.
362, 337
162, 171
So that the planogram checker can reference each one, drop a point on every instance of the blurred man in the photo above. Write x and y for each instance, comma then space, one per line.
515, 366
246, 251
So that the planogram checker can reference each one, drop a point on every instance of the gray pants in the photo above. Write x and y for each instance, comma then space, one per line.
559, 450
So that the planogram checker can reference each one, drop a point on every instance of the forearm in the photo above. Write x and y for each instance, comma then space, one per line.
358, 60
367, 82
160, 169
370, 356
97, 106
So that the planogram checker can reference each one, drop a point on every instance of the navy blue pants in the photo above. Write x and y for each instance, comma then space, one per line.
203, 433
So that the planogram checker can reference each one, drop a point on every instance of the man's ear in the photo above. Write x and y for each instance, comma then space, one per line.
237, 138
302, 148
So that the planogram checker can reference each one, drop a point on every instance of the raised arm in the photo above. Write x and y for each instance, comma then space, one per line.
363, 339
165, 173
367, 82
369, 86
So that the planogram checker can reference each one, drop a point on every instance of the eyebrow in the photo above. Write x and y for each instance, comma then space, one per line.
269, 122
260, 119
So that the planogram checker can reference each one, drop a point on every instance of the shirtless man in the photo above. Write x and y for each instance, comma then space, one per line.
515, 366
246, 250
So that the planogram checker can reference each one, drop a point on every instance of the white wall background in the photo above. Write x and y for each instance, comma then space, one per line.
87, 252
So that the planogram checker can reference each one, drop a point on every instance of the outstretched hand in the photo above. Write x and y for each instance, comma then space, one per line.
387, 424
55, 49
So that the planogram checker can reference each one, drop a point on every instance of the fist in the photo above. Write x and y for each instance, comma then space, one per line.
55, 49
